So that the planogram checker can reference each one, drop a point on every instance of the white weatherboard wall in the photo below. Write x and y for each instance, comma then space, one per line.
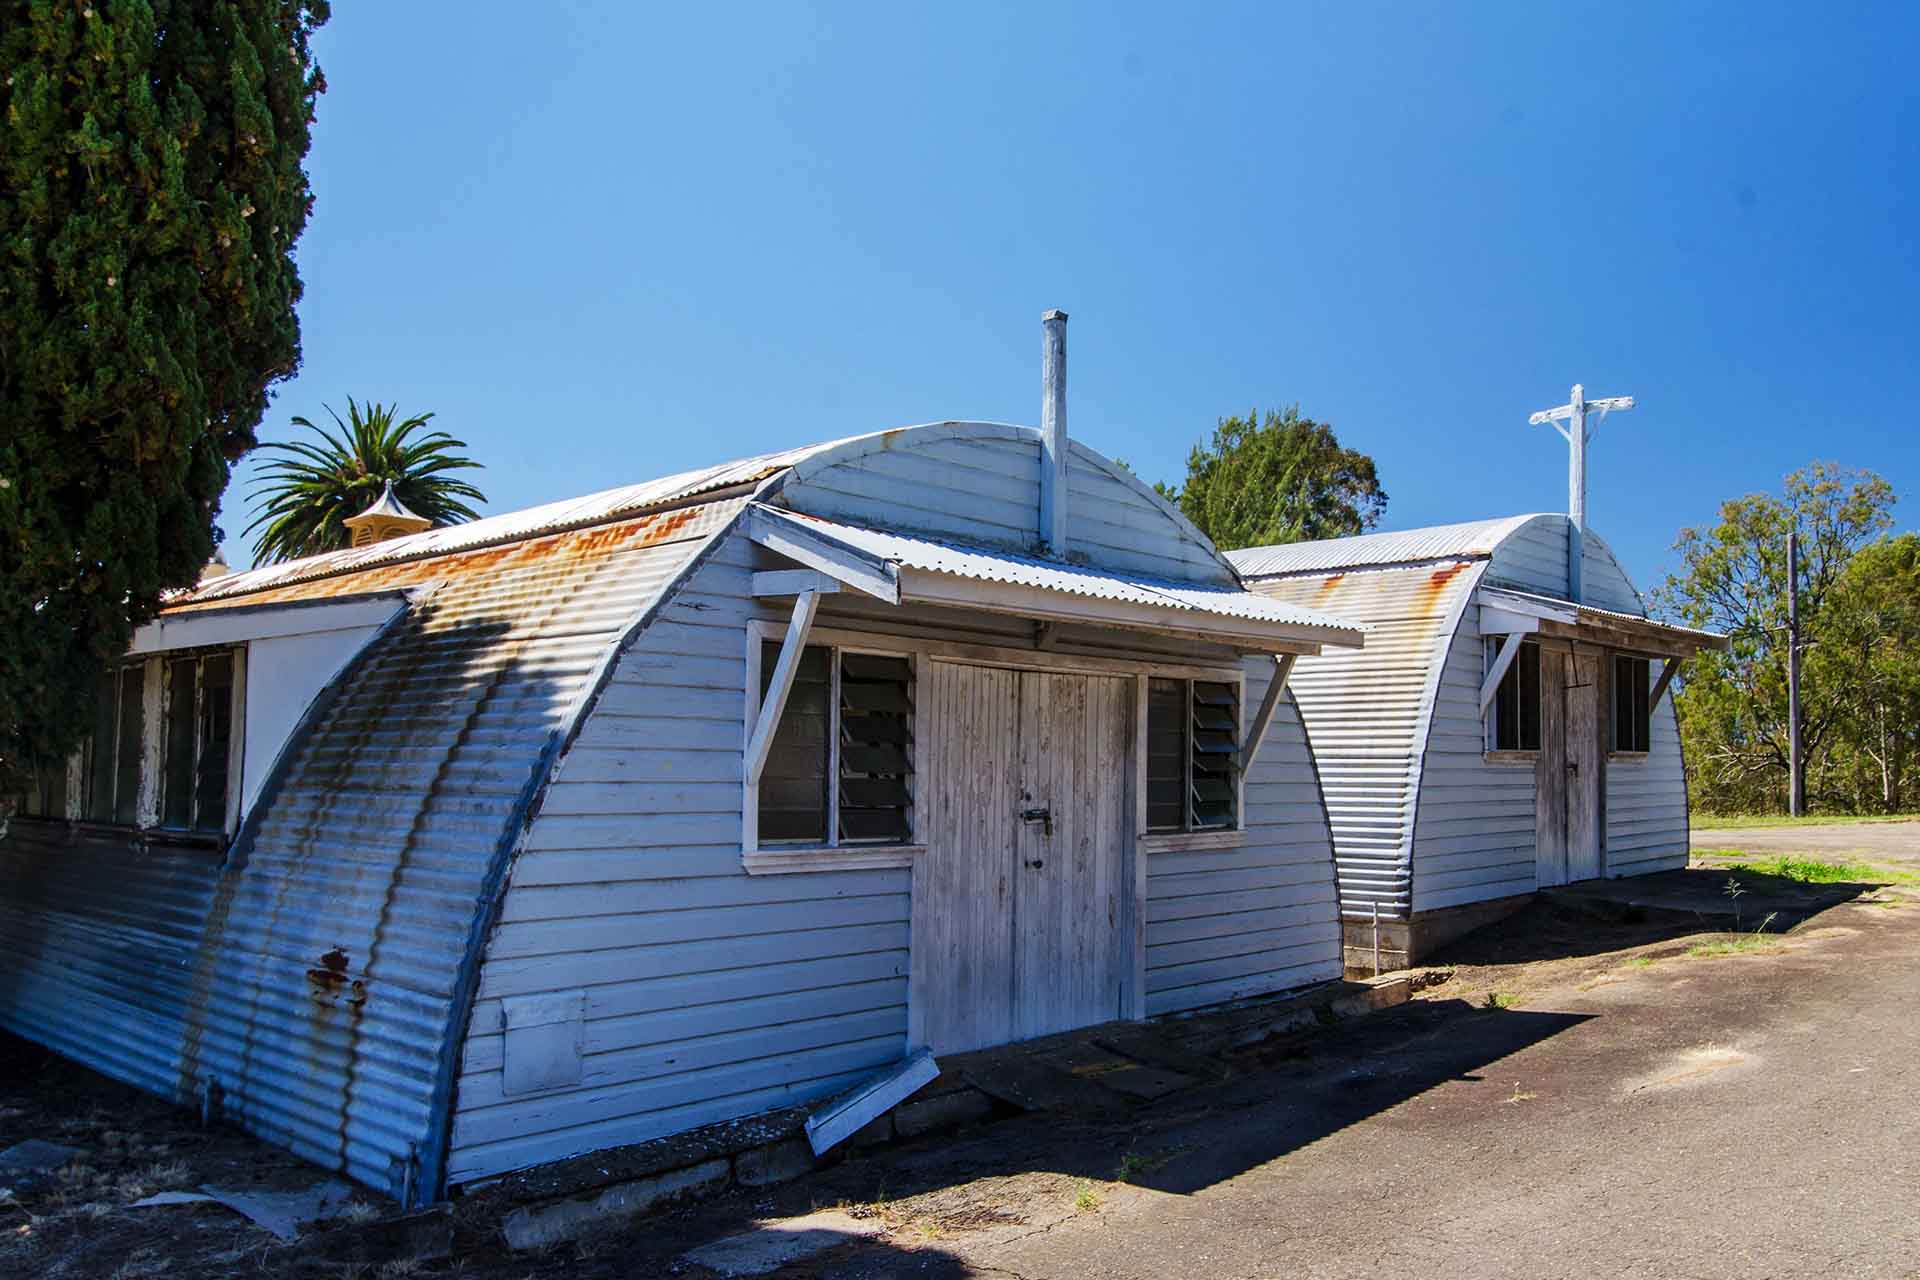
284, 675
1474, 835
709, 994
1647, 801
1534, 558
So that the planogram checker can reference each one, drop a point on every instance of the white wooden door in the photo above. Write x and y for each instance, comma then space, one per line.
1023, 910
963, 884
1073, 958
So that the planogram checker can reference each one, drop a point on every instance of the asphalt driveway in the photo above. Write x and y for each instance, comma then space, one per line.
1744, 1115
1893, 843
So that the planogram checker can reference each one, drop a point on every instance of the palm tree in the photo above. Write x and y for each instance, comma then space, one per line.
311, 487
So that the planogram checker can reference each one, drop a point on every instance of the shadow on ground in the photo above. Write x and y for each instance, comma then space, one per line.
1599, 916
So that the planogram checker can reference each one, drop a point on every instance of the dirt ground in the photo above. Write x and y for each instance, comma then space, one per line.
1398, 1108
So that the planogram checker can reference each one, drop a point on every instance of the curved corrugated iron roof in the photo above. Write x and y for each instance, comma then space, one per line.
1469, 540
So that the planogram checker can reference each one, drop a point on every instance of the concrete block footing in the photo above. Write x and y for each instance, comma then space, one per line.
1408, 942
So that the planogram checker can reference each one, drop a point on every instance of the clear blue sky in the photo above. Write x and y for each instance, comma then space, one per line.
607, 242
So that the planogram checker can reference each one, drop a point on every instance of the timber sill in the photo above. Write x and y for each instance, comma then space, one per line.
1626, 757
1183, 841
773, 862
1512, 758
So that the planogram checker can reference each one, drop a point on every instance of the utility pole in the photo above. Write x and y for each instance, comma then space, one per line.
1796, 753
1577, 433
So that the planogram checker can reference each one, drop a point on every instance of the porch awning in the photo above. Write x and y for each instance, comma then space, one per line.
904, 569
1507, 612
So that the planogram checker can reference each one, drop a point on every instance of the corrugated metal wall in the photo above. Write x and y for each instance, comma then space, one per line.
1368, 711
330, 984
97, 941
314, 981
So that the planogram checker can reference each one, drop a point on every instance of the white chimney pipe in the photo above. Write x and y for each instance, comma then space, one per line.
1053, 433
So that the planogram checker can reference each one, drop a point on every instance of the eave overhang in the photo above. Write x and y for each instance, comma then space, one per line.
1508, 612
909, 569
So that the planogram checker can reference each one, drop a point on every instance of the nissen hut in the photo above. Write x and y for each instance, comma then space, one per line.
474, 848
1501, 732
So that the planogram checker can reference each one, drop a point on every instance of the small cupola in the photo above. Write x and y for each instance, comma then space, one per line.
217, 567
385, 518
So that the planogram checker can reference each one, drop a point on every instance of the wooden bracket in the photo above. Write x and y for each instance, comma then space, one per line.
1509, 649
1257, 732
791, 582
1669, 667
767, 722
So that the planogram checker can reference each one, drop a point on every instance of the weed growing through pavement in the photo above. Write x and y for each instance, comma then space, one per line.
1735, 892
1502, 999
1519, 1097
1639, 962
1084, 1198
1758, 940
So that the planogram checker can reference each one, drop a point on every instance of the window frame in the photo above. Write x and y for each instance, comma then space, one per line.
149, 801
1187, 825
833, 853
783, 858
1641, 710
1490, 721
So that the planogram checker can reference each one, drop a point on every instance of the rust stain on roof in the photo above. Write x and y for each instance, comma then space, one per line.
1328, 587
557, 550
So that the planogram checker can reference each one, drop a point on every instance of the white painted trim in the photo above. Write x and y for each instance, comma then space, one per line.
237, 742
766, 717
1256, 738
223, 628
760, 862
847, 857
874, 575
1509, 650
847, 1114
987, 655
791, 582
1495, 621
951, 590
152, 738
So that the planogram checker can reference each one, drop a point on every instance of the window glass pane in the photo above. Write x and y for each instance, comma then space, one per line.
1528, 682
216, 737
876, 748
1642, 709
1216, 754
1166, 755
176, 770
793, 785
99, 806
1506, 703
126, 765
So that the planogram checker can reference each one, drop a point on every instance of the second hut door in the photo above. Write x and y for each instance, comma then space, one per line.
1023, 901
1571, 770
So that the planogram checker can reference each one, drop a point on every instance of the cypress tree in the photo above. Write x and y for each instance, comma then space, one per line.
151, 192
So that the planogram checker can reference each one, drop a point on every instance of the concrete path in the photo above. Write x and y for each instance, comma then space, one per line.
1746, 1116
1894, 843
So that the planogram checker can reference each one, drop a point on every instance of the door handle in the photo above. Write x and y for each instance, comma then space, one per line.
1039, 815
1573, 766
1037, 863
